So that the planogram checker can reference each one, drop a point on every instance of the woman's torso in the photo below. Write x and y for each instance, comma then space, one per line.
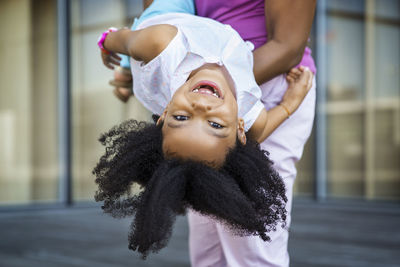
247, 17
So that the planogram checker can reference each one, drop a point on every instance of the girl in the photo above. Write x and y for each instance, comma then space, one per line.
197, 74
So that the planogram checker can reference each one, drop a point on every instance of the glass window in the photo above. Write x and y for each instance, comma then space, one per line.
345, 93
28, 102
385, 115
363, 99
95, 108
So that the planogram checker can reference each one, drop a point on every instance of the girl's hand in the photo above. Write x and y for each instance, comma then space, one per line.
110, 59
300, 82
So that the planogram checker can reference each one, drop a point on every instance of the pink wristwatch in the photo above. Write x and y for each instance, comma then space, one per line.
102, 38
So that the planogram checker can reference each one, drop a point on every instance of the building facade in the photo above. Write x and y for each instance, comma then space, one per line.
55, 99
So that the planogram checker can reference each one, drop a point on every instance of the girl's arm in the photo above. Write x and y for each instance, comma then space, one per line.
300, 82
142, 45
288, 24
111, 60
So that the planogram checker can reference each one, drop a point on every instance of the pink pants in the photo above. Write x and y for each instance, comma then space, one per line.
210, 244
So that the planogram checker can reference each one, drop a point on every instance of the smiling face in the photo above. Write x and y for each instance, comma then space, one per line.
201, 121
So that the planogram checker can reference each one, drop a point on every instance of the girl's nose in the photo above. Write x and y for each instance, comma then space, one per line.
200, 105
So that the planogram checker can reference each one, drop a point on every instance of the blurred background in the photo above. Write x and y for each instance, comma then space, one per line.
55, 101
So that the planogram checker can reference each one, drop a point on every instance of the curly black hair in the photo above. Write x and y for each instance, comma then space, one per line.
246, 193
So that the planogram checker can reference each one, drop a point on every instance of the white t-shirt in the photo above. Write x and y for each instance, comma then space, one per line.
198, 41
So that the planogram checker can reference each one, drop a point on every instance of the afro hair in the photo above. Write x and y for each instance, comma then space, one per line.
246, 194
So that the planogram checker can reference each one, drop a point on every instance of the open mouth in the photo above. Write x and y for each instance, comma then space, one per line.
207, 88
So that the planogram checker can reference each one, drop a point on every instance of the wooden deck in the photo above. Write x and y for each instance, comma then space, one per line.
322, 234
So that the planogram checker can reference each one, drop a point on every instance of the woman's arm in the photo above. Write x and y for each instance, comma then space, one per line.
288, 24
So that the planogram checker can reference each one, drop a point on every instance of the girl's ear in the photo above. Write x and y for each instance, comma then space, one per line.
241, 132
162, 117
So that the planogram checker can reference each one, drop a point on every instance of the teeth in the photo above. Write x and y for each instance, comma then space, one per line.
215, 93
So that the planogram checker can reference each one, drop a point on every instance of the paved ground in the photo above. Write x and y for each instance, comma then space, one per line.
323, 234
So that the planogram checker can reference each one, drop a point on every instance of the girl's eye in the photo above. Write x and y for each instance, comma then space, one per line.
180, 117
215, 125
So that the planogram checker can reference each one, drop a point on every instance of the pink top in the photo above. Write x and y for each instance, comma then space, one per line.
247, 17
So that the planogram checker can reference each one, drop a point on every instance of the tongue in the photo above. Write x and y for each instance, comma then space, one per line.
206, 91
